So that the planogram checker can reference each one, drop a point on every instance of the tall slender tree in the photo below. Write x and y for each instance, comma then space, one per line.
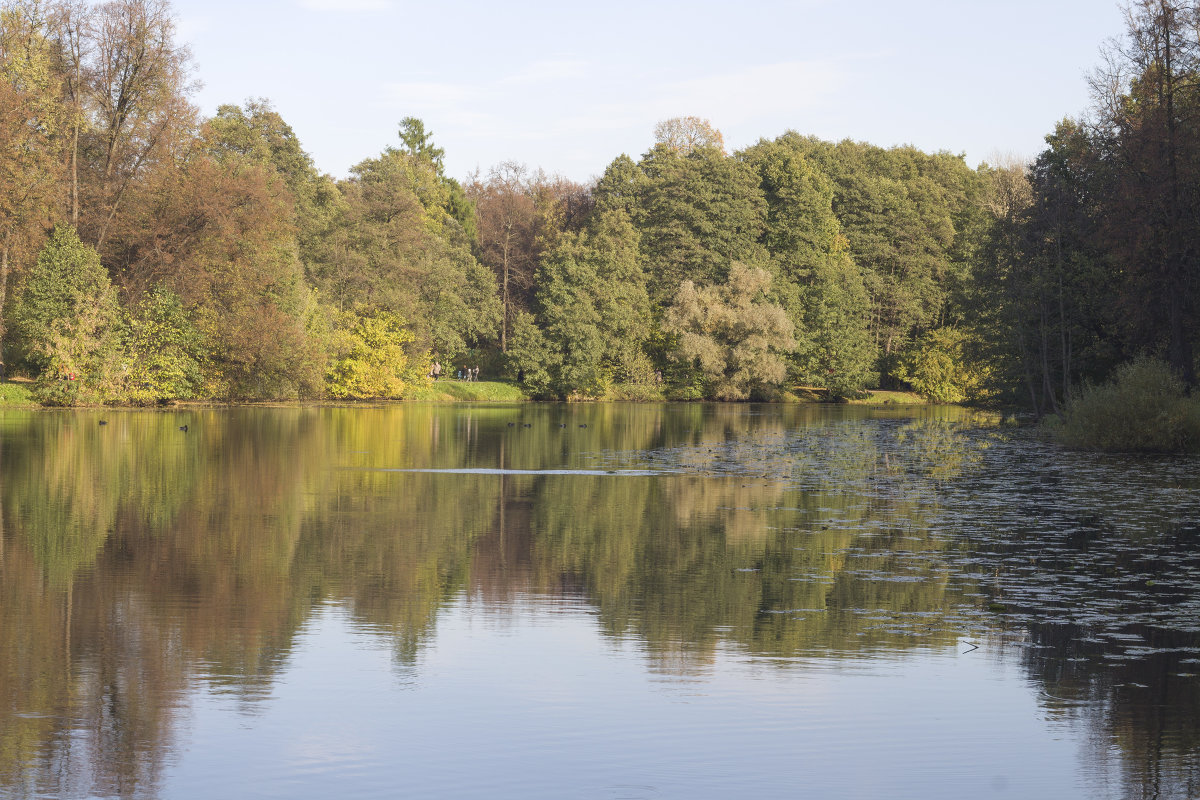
507, 221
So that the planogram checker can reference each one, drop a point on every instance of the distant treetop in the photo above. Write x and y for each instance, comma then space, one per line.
685, 134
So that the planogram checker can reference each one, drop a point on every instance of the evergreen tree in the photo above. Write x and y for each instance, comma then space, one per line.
69, 323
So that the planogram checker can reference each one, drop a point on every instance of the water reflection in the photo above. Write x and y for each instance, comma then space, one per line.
140, 562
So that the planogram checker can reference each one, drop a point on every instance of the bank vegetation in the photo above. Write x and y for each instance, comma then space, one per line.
149, 254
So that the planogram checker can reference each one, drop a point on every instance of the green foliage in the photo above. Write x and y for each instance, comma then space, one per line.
1142, 409
457, 302
636, 393
697, 212
937, 367
373, 362
83, 356
399, 247
571, 321
621, 296
166, 351
530, 357
908, 218
830, 310
67, 277
887, 398
817, 281
419, 143
257, 134
32, 118
732, 333
620, 187
893, 265
1044, 290
594, 314
1145, 167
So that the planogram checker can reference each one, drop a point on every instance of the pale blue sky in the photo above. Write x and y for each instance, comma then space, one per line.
568, 87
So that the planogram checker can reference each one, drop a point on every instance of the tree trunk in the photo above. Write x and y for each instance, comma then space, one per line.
75, 176
504, 294
1044, 350
1179, 351
1024, 351
4, 248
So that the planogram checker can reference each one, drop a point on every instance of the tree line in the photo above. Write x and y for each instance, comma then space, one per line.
148, 253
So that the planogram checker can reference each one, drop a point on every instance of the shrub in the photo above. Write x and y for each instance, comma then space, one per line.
85, 363
166, 351
373, 362
1142, 409
937, 368
635, 392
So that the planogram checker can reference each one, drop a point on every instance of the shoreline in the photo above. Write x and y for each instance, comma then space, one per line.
17, 394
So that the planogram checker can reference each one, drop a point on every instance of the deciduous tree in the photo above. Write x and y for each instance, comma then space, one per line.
732, 333
817, 281
685, 134
69, 323
507, 221
139, 81
593, 313
697, 212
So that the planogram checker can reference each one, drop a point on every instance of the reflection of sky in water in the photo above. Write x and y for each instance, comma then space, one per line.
587, 718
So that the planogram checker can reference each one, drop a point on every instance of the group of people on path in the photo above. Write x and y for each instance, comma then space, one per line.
466, 373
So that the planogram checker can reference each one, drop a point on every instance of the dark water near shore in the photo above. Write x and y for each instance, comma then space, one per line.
592, 601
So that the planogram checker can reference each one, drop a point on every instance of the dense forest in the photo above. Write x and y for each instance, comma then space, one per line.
149, 254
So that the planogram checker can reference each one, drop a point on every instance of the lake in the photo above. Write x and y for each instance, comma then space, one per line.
591, 601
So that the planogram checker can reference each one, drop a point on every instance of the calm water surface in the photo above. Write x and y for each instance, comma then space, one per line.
564, 601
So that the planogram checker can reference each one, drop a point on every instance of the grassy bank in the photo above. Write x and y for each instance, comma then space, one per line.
16, 394
449, 391
879, 397
869, 397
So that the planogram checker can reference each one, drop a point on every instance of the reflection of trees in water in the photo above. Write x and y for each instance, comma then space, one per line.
687, 562
138, 559
69, 482
747, 533
1146, 704
255, 526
